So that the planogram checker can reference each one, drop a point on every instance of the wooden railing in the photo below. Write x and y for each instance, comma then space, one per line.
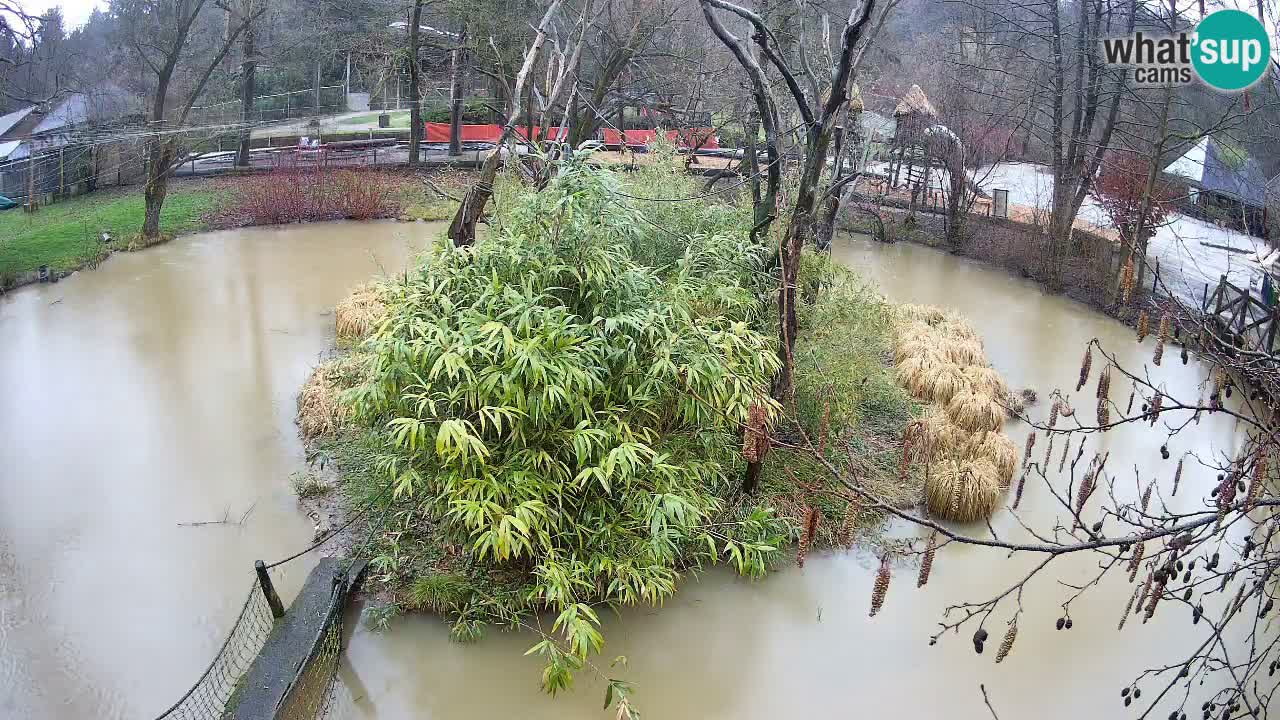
1239, 315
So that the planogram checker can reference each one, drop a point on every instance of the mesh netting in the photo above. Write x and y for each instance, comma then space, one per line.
315, 693
212, 694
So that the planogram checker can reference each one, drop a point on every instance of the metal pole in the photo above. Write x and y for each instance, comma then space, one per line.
269, 590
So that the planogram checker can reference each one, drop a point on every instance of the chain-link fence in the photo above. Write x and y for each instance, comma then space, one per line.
275, 107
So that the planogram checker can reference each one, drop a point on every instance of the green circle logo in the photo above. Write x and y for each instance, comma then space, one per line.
1232, 50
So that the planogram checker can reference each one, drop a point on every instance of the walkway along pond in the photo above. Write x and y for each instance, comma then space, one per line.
160, 390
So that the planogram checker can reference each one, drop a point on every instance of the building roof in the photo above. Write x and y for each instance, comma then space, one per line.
875, 125
7, 148
71, 111
8, 121
915, 101
1215, 167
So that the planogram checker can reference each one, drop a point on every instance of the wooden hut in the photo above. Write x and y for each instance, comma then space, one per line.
912, 117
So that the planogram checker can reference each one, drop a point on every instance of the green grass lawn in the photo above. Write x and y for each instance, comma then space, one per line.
399, 118
65, 235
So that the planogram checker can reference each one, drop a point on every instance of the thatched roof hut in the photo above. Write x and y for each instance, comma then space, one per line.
914, 102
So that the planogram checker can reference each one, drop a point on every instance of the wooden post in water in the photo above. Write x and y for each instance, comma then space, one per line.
269, 590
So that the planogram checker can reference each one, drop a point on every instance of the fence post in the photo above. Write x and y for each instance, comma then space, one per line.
1204, 299
269, 590
1222, 291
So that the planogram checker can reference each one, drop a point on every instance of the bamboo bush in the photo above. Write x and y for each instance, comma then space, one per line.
568, 415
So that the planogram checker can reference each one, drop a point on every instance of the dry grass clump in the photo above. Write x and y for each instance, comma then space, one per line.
976, 412
940, 360
946, 382
915, 374
987, 381
321, 411
359, 313
965, 353
939, 438
963, 491
927, 314
997, 448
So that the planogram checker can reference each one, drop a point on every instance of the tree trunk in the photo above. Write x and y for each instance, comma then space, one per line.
160, 156
456, 100
415, 91
248, 88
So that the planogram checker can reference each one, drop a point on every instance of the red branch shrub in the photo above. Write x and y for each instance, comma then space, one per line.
1120, 188
286, 196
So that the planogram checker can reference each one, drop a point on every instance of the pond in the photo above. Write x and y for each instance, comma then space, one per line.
159, 391
155, 391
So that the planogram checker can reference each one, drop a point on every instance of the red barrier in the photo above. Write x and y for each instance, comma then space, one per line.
439, 133
682, 138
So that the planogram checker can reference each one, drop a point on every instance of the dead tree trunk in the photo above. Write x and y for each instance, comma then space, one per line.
462, 231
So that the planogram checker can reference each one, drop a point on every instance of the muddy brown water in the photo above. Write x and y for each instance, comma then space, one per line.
157, 390
160, 389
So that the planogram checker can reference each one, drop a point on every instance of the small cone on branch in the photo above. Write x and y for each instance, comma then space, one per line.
848, 524
1128, 608
1166, 324
926, 563
1177, 477
1007, 644
1135, 561
811, 518
1085, 365
1142, 596
1157, 590
1086, 489
1017, 495
1257, 482
1226, 496
1144, 325
881, 587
